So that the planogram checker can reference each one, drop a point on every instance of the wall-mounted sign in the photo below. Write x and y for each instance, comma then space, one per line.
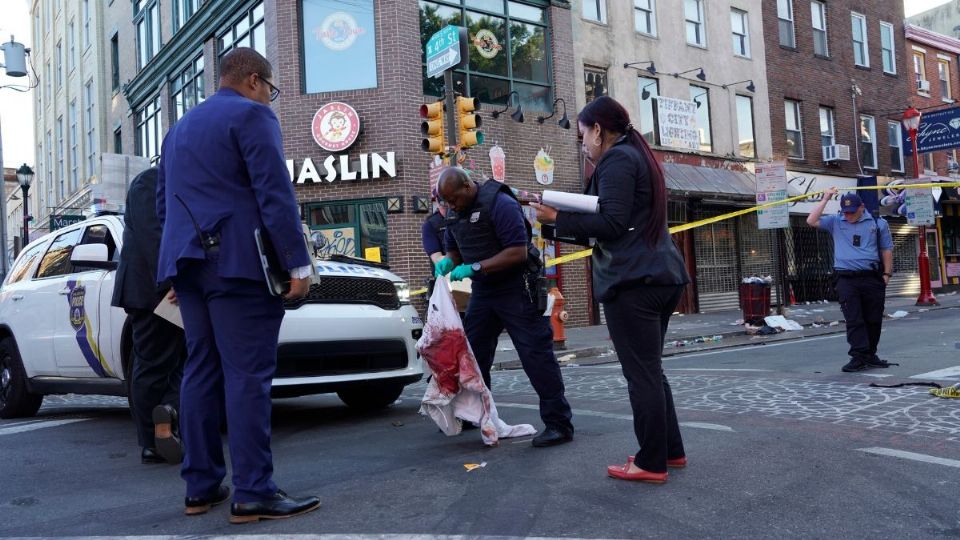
59, 222
939, 130
677, 119
339, 45
336, 126
341, 167
799, 183
339, 31
487, 43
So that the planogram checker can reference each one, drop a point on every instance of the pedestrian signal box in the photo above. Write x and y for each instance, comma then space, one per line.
469, 122
432, 127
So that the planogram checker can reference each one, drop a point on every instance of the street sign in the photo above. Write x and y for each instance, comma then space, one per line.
444, 49
919, 205
59, 222
772, 187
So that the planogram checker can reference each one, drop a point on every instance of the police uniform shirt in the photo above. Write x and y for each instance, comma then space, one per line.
432, 241
855, 244
507, 219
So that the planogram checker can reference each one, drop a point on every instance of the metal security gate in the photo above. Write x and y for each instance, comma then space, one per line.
906, 246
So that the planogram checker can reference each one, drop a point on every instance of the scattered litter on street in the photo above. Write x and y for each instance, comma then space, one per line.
471, 466
899, 314
779, 321
396, 424
567, 358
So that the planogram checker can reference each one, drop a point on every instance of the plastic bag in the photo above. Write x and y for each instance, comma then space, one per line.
456, 392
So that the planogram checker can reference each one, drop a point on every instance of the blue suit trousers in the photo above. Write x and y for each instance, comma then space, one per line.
232, 327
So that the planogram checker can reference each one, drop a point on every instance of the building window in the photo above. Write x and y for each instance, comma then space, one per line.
593, 10
701, 96
247, 31
793, 127
785, 23
48, 16
645, 16
71, 48
90, 119
746, 143
827, 133
47, 82
693, 12
594, 82
868, 142
895, 138
115, 62
117, 141
887, 47
74, 156
147, 21
187, 90
741, 37
61, 170
49, 166
943, 69
183, 10
86, 23
514, 52
648, 89
147, 121
928, 166
59, 65
818, 13
353, 54
861, 55
349, 228
920, 71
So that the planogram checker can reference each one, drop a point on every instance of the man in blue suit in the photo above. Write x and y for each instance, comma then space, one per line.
222, 175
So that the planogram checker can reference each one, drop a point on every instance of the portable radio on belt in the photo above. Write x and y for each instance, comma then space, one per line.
209, 242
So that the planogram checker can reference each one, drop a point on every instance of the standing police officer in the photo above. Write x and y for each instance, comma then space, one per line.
432, 233
488, 240
863, 264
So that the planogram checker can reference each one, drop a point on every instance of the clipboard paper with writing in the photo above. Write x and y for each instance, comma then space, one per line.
278, 278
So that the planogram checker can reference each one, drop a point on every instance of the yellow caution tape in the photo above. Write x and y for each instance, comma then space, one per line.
693, 225
418, 292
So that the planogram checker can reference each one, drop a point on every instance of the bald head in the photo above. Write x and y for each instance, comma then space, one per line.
456, 188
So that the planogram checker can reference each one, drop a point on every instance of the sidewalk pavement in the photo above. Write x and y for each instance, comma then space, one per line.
716, 330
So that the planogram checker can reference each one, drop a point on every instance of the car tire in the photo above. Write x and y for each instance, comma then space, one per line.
15, 400
370, 397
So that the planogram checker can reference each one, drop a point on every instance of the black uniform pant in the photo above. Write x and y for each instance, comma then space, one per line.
159, 350
861, 299
637, 319
488, 314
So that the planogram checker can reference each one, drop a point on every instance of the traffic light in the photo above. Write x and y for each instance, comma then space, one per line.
432, 127
470, 135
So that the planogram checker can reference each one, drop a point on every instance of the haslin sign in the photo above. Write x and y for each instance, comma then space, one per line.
335, 128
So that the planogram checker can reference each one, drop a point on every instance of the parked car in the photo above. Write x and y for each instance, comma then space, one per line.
354, 334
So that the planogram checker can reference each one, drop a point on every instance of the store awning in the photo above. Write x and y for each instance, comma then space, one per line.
696, 181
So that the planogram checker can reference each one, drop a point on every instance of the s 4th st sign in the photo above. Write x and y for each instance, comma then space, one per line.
444, 49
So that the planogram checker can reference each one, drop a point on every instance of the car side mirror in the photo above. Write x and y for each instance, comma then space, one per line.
92, 256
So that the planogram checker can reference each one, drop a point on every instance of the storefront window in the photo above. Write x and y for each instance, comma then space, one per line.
508, 50
350, 228
338, 38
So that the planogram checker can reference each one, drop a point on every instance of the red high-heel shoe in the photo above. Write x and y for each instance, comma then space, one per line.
676, 463
622, 472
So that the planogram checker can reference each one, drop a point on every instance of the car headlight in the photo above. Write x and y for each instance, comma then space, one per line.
403, 292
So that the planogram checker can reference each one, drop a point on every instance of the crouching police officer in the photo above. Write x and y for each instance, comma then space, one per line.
488, 240
863, 264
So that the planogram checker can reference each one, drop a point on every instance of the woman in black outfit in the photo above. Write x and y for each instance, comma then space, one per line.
638, 276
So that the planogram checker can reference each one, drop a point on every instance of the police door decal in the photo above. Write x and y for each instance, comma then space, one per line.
81, 324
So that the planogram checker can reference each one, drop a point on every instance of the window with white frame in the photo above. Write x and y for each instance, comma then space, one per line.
147, 21
183, 10
59, 65
49, 165
868, 142
648, 87
61, 170
741, 35
793, 128
920, 70
645, 16
90, 122
827, 133
48, 83
86, 23
693, 12
746, 143
595, 10
247, 31
928, 165
71, 48
147, 123
888, 48
701, 96
943, 70
861, 55
74, 155
785, 23
818, 14
895, 138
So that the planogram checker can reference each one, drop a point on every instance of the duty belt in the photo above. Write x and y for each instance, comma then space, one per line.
856, 273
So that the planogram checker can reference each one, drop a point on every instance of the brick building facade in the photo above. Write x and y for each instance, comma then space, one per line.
367, 54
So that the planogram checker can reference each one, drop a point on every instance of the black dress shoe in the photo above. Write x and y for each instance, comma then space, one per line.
278, 507
165, 434
552, 437
194, 506
149, 456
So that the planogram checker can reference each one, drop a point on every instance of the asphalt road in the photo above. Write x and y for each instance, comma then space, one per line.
780, 443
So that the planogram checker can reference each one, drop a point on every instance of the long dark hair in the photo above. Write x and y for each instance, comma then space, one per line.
613, 118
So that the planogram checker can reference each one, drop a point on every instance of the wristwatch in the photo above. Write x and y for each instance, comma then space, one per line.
887, 274
475, 267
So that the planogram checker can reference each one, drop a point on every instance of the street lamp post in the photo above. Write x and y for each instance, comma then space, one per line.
911, 122
25, 177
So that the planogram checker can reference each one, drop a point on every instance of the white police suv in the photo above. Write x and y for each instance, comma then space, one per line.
354, 334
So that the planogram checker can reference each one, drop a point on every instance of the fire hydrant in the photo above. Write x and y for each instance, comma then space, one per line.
557, 317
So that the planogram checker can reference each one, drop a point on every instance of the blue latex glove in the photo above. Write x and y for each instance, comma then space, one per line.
461, 272
443, 267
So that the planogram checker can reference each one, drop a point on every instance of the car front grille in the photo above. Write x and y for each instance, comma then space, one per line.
340, 357
350, 290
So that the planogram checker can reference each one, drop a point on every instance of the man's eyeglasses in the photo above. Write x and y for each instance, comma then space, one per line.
274, 91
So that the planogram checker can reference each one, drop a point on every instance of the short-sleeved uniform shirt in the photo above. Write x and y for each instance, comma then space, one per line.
855, 244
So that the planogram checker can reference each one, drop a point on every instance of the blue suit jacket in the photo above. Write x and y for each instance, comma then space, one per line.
224, 158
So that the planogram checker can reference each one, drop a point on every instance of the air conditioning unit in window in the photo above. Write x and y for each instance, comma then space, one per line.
836, 152
923, 86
